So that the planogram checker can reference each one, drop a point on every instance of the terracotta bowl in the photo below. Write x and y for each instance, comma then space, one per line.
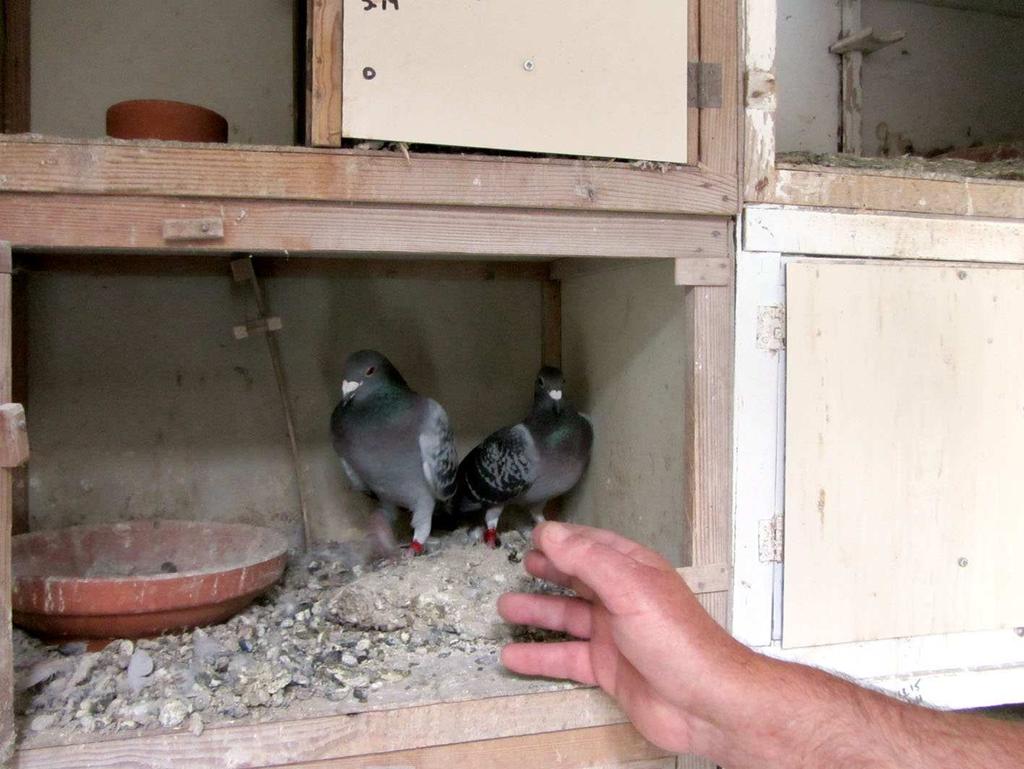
143, 578
167, 120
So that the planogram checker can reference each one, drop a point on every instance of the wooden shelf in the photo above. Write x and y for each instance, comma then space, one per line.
998, 7
30, 163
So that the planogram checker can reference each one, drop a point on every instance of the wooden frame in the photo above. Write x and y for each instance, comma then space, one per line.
765, 181
947, 670
14, 66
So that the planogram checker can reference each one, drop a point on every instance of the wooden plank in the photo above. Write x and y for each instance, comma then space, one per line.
524, 75
703, 272
829, 232
693, 113
903, 489
6, 648
79, 222
879, 190
19, 392
759, 125
108, 167
551, 323
15, 86
276, 267
325, 19
719, 44
709, 430
13, 436
604, 746
707, 579
320, 739
206, 228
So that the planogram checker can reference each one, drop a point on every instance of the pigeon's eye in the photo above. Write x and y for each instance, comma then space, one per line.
370, 371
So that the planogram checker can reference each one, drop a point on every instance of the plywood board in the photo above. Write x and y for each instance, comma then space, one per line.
904, 432
574, 77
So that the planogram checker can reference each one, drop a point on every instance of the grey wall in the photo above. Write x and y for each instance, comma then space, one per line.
956, 80
624, 350
233, 56
142, 404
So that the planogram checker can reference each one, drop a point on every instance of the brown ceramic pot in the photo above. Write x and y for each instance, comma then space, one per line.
167, 120
142, 578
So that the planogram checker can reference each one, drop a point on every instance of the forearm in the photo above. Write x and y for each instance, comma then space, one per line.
796, 716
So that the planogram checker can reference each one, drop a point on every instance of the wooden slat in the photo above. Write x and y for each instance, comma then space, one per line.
13, 436
759, 130
709, 427
878, 190
704, 272
6, 650
604, 746
852, 88
282, 173
827, 232
79, 222
15, 86
279, 266
719, 44
693, 113
551, 319
336, 737
19, 393
707, 579
325, 72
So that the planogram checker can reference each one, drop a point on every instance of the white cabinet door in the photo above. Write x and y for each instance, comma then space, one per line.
904, 451
579, 77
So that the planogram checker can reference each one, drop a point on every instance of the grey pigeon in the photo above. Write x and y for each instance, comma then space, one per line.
527, 464
395, 445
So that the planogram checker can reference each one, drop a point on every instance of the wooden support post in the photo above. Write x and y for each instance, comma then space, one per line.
6, 649
551, 320
709, 444
325, 35
14, 66
19, 390
242, 270
850, 83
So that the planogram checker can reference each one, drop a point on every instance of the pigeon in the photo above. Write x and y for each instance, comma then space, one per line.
527, 464
395, 446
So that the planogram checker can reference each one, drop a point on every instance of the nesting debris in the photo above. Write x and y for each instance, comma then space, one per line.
334, 631
949, 167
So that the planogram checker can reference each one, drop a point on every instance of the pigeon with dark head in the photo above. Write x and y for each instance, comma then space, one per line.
529, 463
395, 445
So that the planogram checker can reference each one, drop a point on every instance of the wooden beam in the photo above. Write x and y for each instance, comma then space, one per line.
760, 100
880, 190
324, 19
704, 272
15, 90
825, 232
19, 393
280, 266
6, 648
720, 127
13, 436
280, 743
852, 140
77, 222
551, 323
603, 746
287, 173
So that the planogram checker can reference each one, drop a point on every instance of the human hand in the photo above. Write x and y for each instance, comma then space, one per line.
643, 636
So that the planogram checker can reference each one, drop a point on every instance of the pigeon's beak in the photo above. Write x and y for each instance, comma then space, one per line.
349, 387
556, 396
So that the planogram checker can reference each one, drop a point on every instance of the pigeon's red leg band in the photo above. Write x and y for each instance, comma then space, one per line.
491, 538
416, 548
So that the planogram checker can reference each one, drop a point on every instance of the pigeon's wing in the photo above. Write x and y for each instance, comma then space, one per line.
354, 481
501, 468
437, 450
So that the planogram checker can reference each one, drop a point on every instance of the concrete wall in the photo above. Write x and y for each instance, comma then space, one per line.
624, 350
233, 56
142, 404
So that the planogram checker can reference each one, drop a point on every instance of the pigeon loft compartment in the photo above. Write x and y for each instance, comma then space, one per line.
910, 106
151, 391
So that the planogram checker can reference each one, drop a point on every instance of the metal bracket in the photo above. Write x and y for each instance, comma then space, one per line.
771, 327
703, 85
769, 540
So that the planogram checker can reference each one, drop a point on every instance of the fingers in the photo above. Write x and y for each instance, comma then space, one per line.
617, 542
569, 659
577, 555
551, 612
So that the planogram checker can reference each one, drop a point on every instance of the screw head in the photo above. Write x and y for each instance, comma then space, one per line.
369, 73
962, 562
528, 65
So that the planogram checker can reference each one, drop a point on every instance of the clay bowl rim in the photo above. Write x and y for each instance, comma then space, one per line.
262, 569
142, 104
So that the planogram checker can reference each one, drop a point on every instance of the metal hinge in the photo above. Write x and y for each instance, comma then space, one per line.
769, 540
771, 327
704, 85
